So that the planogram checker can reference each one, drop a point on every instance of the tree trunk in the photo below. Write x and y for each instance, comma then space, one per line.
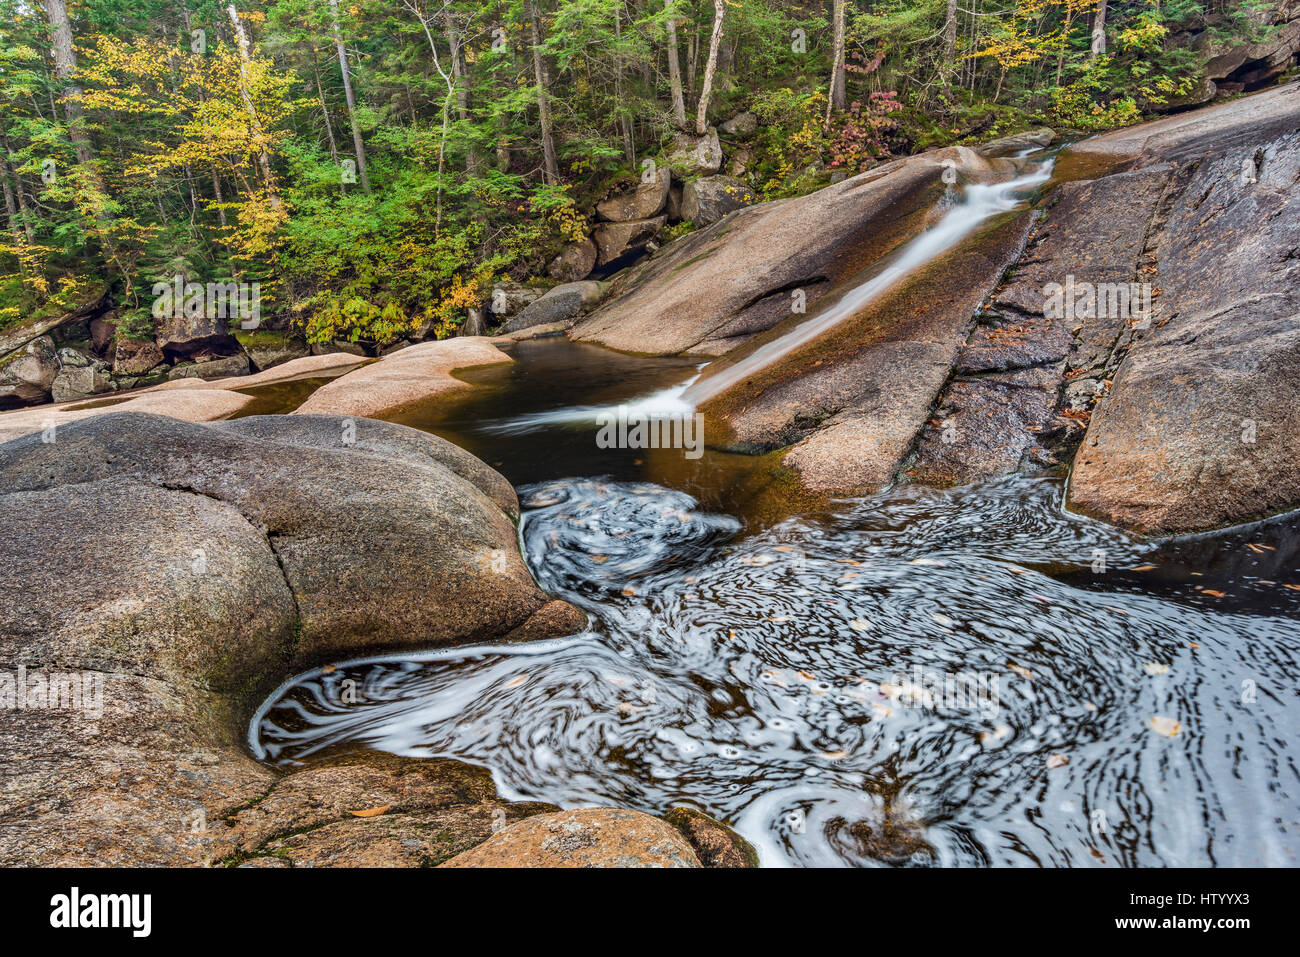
550, 166
357, 146
1099, 30
325, 111
837, 100
675, 71
65, 66
702, 113
245, 54
950, 37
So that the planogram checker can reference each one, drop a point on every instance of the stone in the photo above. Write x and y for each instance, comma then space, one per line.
742, 124
1198, 430
404, 380
575, 262
691, 289
27, 375
509, 298
585, 837
563, 303
705, 201
215, 368
81, 377
715, 844
337, 345
190, 405
227, 558
435, 808
180, 337
692, 155
135, 356
644, 202
102, 330
473, 324
615, 239
266, 348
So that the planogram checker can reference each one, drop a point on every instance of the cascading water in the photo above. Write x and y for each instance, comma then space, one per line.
977, 203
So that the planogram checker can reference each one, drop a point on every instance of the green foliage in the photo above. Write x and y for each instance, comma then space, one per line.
216, 164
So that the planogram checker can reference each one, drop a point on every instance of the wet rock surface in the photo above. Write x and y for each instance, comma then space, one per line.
226, 558
695, 288
1198, 430
586, 837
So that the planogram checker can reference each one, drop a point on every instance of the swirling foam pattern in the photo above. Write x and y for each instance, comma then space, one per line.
929, 678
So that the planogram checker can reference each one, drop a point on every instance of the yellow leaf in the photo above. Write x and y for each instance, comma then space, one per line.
371, 812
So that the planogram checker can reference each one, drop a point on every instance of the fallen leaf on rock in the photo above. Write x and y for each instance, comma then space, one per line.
371, 812
1023, 672
1212, 593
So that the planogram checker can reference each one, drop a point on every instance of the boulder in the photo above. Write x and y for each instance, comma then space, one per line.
715, 844
432, 809
1199, 427
102, 330
267, 348
403, 380
473, 324
561, 304
27, 375
227, 558
707, 200
135, 356
509, 298
644, 202
691, 155
742, 124
183, 336
337, 345
215, 368
699, 284
81, 376
615, 239
585, 837
741, 159
575, 262
1030, 139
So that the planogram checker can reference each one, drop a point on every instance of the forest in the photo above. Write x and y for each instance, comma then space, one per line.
376, 166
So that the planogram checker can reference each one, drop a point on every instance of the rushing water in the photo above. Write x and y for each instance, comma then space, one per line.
964, 211
965, 677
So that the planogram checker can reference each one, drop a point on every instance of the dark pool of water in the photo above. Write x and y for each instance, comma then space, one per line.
963, 677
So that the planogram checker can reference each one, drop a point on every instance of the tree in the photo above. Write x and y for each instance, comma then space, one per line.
550, 167
711, 65
837, 99
1099, 30
674, 69
358, 148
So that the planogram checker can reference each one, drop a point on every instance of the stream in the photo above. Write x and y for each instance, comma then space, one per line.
963, 677
966, 677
